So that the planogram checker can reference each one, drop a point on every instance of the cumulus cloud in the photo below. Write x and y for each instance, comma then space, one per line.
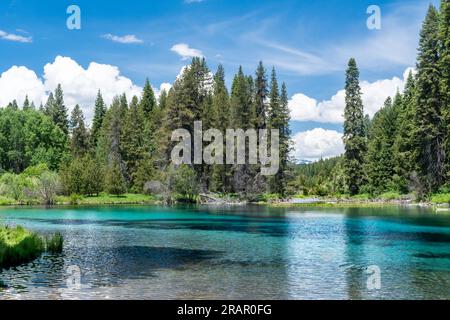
304, 108
130, 38
14, 37
80, 85
17, 82
317, 143
185, 51
164, 86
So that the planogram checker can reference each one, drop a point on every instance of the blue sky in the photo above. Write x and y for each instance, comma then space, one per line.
309, 42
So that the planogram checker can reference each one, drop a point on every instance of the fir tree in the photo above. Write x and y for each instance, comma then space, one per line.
148, 101
220, 120
80, 136
444, 66
354, 130
132, 145
26, 104
114, 181
99, 114
428, 122
58, 110
261, 93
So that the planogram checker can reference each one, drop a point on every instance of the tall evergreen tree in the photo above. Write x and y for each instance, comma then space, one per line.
403, 146
80, 135
58, 110
148, 100
428, 122
261, 93
221, 121
26, 104
132, 144
444, 35
380, 161
99, 114
49, 105
354, 130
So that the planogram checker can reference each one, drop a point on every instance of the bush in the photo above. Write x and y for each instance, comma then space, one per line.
441, 198
18, 245
391, 195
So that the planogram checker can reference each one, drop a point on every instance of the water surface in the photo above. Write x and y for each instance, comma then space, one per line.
235, 253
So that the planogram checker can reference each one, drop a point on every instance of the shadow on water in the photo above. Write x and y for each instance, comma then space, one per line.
105, 266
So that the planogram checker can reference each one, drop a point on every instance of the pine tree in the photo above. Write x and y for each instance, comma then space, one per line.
114, 181
444, 66
26, 104
428, 122
163, 100
99, 114
279, 119
49, 105
80, 136
380, 161
13, 105
354, 130
220, 120
261, 93
58, 110
132, 143
403, 146
148, 100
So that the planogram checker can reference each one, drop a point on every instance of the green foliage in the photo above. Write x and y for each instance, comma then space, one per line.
83, 176
441, 198
79, 133
18, 245
183, 183
114, 180
29, 138
354, 130
428, 130
97, 122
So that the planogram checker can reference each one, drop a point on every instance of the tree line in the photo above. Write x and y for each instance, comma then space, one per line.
405, 147
127, 148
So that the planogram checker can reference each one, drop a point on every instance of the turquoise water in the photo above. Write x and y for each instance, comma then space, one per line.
235, 253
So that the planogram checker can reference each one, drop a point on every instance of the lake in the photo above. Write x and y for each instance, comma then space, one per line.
242, 252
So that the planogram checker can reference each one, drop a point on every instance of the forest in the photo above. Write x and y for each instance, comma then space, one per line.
44, 152
402, 150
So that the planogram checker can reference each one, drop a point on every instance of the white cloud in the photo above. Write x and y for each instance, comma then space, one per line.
317, 143
185, 51
80, 85
17, 82
164, 86
14, 37
304, 108
131, 38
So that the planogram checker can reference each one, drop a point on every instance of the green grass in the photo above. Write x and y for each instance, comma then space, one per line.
441, 198
104, 198
18, 245
391, 195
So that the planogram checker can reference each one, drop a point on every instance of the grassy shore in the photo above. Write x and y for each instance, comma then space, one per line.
388, 199
18, 245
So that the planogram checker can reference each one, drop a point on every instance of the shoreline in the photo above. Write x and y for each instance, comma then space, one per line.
144, 200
